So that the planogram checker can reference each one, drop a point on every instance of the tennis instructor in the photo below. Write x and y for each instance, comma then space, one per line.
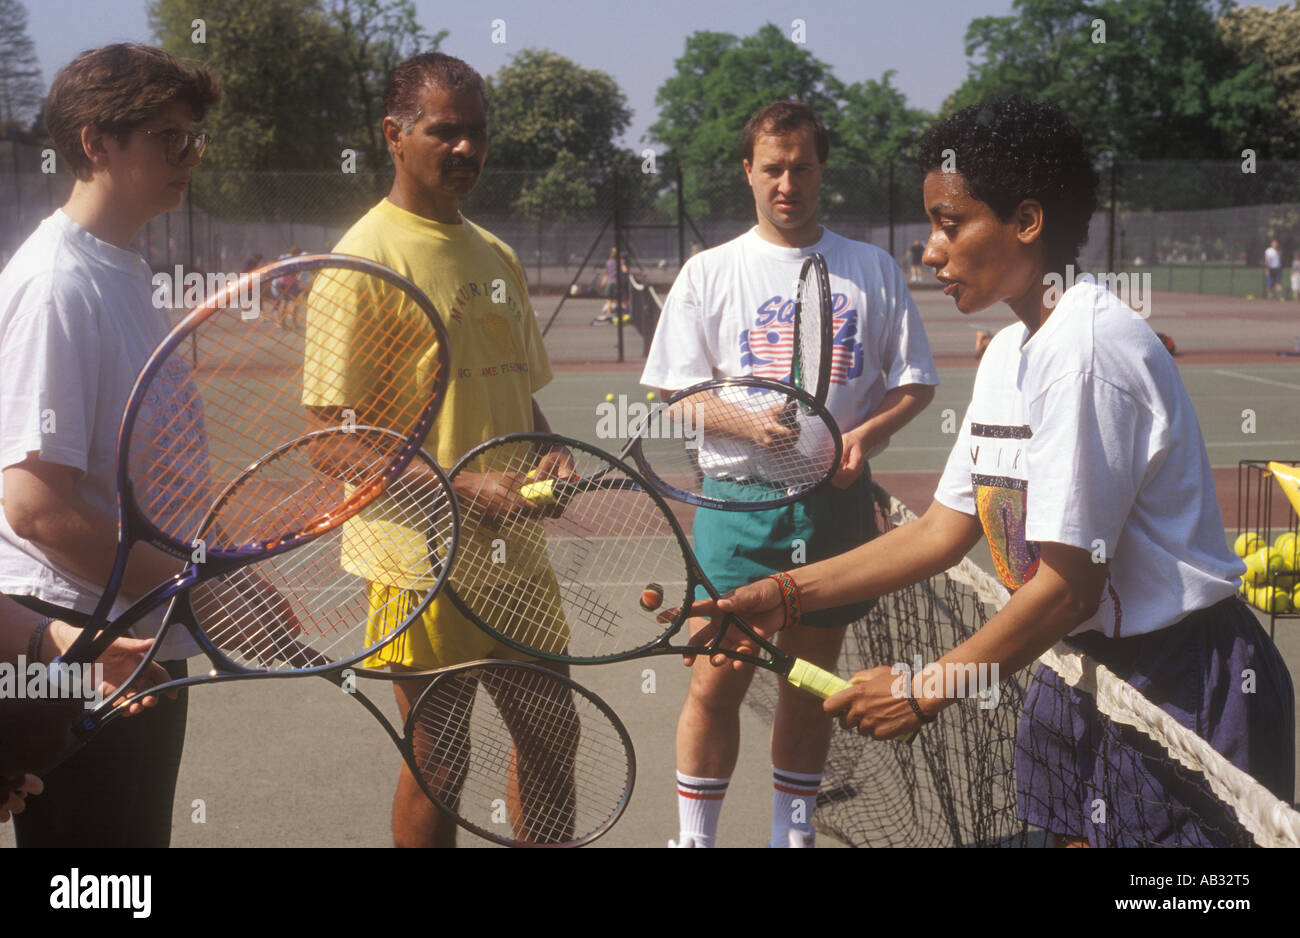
729, 314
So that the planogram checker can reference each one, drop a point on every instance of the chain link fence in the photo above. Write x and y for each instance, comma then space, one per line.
1195, 226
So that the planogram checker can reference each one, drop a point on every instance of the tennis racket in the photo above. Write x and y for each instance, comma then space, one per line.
738, 444
810, 362
582, 578
219, 394
327, 603
513, 751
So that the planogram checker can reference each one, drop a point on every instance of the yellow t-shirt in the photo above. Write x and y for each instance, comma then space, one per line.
498, 360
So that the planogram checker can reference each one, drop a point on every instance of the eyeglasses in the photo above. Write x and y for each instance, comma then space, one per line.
181, 145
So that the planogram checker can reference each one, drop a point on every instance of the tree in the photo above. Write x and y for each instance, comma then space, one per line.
1271, 40
1145, 79
543, 105
21, 90
377, 36
719, 82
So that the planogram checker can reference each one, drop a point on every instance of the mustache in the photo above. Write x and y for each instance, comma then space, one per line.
459, 162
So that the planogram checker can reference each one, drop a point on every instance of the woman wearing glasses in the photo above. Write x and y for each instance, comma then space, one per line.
77, 324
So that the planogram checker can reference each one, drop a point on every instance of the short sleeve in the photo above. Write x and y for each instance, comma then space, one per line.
1091, 447
679, 354
955, 489
48, 387
907, 358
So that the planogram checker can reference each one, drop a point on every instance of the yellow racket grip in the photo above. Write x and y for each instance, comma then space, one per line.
823, 684
539, 493
817, 681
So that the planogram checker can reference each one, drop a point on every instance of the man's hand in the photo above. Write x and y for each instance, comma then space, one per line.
14, 792
775, 427
119, 661
852, 462
759, 604
876, 704
494, 496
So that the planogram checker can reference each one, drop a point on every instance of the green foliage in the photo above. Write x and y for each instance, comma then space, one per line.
1270, 40
1162, 84
721, 80
21, 90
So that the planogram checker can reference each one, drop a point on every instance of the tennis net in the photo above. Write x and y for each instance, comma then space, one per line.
644, 306
956, 784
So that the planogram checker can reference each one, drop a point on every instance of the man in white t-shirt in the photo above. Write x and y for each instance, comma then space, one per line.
1081, 461
730, 314
1273, 271
77, 323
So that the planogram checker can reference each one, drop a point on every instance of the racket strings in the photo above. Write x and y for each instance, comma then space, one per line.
806, 361
340, 595
737, 443
370, 355
566, 580
521, 755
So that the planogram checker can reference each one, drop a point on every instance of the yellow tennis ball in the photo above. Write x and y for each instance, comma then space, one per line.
1287, 547
1256, 568
651, 396
609, 398
1285, 581
1247, 543
1295, 597
1271, 600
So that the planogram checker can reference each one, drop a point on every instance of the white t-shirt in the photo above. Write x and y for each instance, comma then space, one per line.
730, 313
1084, 435
1272, 258
77, 324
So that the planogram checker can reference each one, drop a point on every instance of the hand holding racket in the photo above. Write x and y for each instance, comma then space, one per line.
585, 586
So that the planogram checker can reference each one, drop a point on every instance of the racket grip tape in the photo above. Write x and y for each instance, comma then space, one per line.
815, 680
823, 684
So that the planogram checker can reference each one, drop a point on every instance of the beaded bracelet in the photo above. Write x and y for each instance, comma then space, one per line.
790, 598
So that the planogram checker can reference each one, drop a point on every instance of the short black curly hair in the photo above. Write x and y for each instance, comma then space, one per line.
1013, 149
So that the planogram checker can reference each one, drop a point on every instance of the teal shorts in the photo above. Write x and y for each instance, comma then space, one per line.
739, 547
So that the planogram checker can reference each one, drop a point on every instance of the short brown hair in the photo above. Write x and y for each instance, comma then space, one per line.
115, 89
402, 94
785, 117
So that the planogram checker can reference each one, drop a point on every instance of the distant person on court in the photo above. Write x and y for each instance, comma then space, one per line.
730, 313
609, 287
77, 324
1081, 461
914, 258
435, 125
1273, 271
1295, 275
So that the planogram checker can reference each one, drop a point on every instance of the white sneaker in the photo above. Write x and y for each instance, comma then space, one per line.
687, 841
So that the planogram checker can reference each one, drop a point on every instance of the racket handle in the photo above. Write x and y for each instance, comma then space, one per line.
822, 683
539, 493
817, 681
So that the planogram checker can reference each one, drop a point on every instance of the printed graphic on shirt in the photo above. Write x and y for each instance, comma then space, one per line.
766, 350
998, 479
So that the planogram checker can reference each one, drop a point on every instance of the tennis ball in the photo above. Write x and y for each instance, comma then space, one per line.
651, 396
652, 597
609, 398
1256, 568
1287, 547
1285, 581
1295, 597
1271, 600
1247, 543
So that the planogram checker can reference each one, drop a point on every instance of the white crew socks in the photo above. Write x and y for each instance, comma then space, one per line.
794, 796
699, 805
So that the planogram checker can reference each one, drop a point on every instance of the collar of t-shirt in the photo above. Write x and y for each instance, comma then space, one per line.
1080, 295
424, 226
756, 242
100, 252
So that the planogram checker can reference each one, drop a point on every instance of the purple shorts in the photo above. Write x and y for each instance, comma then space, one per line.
1080, 775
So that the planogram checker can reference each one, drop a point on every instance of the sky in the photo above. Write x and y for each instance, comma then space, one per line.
635, 41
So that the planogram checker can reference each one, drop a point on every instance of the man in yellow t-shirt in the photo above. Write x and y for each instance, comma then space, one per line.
436, 130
